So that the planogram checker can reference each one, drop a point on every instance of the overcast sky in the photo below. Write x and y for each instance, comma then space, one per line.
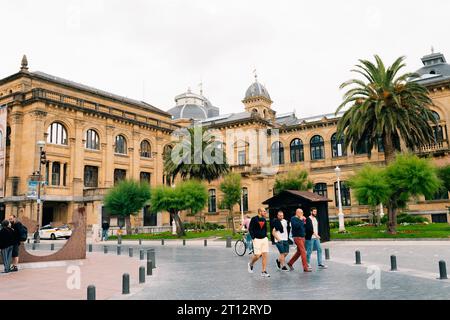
156, 49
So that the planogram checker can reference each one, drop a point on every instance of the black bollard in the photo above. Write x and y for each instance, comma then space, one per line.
125, 283
327, 254
142, 274
33, 246
205, 242
358, 257
393, 263
162, 242
184, 242
90, 247
130, 252
52, 247
119, 250
28, 240
140, 241
228, 242
442, 270
119, 239
105, 249
149, 267
141, 254
91, 292
151, 256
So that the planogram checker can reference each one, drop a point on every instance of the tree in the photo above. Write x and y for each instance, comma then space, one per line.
198, 155
293, 180
444, 175
385, 108
188, 195
231, 188
408, 176
127, 198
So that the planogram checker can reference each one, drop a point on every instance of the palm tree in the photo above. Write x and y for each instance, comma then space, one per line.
385, 108
187, 164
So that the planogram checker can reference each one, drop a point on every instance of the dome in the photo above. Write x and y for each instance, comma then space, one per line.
257, 90
193, 106
434, 64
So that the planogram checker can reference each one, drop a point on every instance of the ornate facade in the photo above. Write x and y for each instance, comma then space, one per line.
95, 138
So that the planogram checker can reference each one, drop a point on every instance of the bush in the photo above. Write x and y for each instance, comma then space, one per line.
406, 218
207, 226
348, 223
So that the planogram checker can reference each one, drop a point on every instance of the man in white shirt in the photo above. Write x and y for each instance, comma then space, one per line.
313, 239
280, 234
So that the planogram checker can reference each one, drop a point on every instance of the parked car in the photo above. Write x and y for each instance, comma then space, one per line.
49, 232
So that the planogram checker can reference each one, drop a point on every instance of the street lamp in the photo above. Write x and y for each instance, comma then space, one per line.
42, 160
340, 213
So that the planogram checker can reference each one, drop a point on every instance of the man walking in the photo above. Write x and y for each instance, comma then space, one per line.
258, 232
313, 238
20, 234
105, 230
280, 233
6, 244
298, 235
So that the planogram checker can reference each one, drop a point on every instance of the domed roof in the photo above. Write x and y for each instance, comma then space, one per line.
434, 64
193, 106
257, 90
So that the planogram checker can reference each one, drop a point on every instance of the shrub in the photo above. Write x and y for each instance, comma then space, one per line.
406, 218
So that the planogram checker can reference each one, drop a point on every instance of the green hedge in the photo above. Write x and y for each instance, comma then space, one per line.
206, 226
406, 218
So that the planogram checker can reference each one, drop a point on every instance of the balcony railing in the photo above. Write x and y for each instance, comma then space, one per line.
438, 146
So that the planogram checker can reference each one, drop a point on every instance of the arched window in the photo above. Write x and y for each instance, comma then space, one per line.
277, 153
92, 140
317, 148
337, 147
146, 149
244, 199
438, 131
345, 194
297, 153
321, 189
57, 134
363, 147
121, 145
212, 200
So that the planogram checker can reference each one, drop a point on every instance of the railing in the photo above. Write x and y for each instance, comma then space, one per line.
89, 105
92, 192
439, 146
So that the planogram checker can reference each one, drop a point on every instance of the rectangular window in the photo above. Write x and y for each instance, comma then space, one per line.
56, 173
242, 158
345, 194
90, 177
212, 201
119, 175
145, 177
65, 174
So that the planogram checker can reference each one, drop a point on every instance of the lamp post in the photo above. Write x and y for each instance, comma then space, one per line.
42, 160
340, 212
242, 208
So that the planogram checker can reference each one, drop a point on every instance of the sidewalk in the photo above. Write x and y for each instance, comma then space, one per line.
49, 281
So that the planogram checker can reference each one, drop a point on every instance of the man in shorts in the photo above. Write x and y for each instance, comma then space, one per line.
16, 225
258, 232
280, 234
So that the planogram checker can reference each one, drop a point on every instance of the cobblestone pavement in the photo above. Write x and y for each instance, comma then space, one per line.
214, 272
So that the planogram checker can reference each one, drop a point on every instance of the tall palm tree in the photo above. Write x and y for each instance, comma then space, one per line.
187, 164
385, 107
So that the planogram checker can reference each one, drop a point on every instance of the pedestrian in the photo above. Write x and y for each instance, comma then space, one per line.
20, 235
280, 234
105, 230
6, 244
298, 235
248, 238
313, 239
258, 232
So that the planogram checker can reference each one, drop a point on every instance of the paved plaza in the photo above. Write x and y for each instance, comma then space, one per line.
214, 272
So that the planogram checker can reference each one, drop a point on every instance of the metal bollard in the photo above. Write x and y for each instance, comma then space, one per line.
125, 283
105, 249
52, 247
91, 292
442, 270
393, 263
119, 250
149, 267
119, 240
228, 242
130, 252
151, 256
162, 242
33, 246
140, 241
90, 247
327, 254
184, 242
358, 257
142, 274
205, 242
28, 240
141, 254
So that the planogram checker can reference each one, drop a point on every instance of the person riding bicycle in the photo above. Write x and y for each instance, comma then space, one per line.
247, 236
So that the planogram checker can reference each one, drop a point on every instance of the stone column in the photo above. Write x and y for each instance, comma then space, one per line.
109, 158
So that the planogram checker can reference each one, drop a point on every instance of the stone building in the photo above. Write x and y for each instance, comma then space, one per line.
95, 138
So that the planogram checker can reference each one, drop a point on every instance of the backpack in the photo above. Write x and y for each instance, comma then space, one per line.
23, 233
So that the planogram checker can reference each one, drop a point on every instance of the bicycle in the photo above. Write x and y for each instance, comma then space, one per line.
241, 245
